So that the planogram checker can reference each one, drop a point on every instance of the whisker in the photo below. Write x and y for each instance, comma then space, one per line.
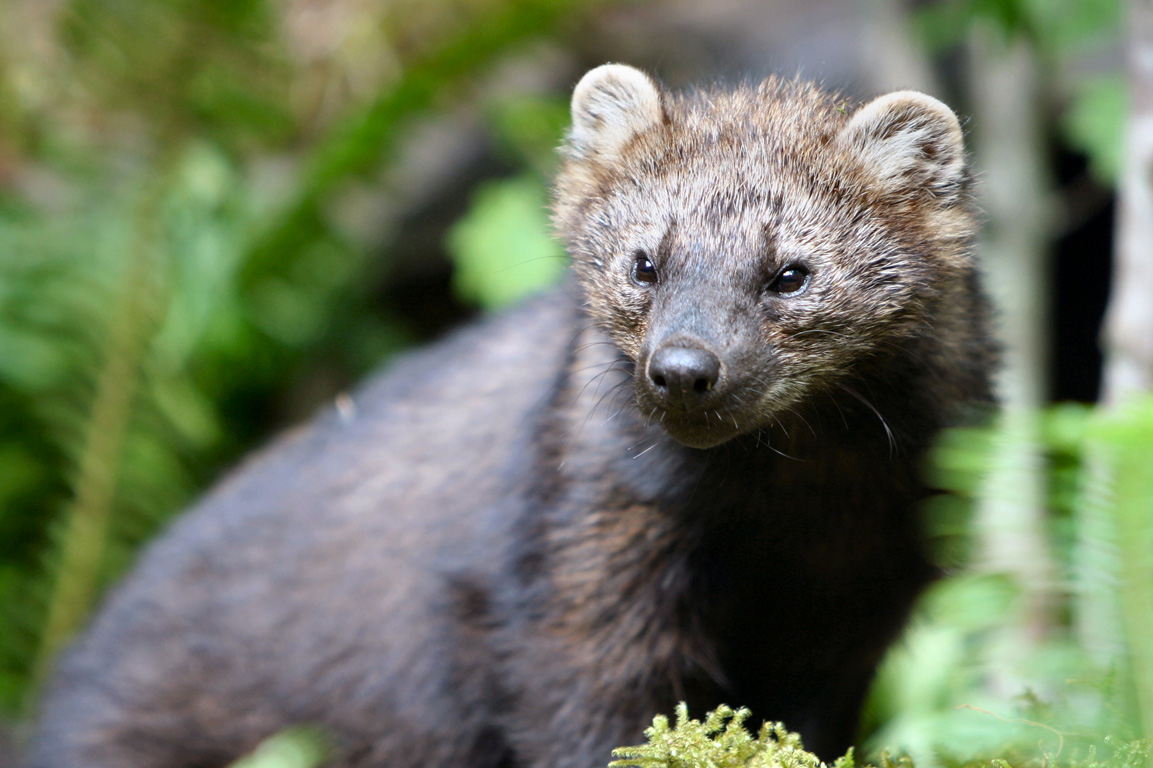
860, 398
646, 450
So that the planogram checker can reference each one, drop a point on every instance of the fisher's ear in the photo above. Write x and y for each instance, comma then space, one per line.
610, 105
909, 143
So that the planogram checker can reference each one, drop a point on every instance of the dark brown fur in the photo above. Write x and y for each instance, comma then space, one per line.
500, 557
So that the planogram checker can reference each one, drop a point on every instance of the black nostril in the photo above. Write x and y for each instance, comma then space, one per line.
683, 373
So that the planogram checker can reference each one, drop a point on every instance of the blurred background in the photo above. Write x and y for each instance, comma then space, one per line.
218, 215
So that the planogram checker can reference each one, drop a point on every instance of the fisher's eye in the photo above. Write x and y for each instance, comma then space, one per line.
790, 281
644, 271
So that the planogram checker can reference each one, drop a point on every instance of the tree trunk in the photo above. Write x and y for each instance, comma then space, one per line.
1007, 88
1128, 333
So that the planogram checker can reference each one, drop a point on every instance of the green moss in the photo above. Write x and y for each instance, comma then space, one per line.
721, 741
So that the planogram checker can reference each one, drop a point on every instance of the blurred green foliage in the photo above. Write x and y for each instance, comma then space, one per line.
1054, 27
1058, 31
176, 276
960, 687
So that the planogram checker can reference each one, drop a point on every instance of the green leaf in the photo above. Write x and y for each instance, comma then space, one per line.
502, 248
294, 748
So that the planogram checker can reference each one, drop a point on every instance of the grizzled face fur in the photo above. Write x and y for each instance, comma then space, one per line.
748, 249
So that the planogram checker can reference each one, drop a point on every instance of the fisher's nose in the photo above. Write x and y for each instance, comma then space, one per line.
683, 375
